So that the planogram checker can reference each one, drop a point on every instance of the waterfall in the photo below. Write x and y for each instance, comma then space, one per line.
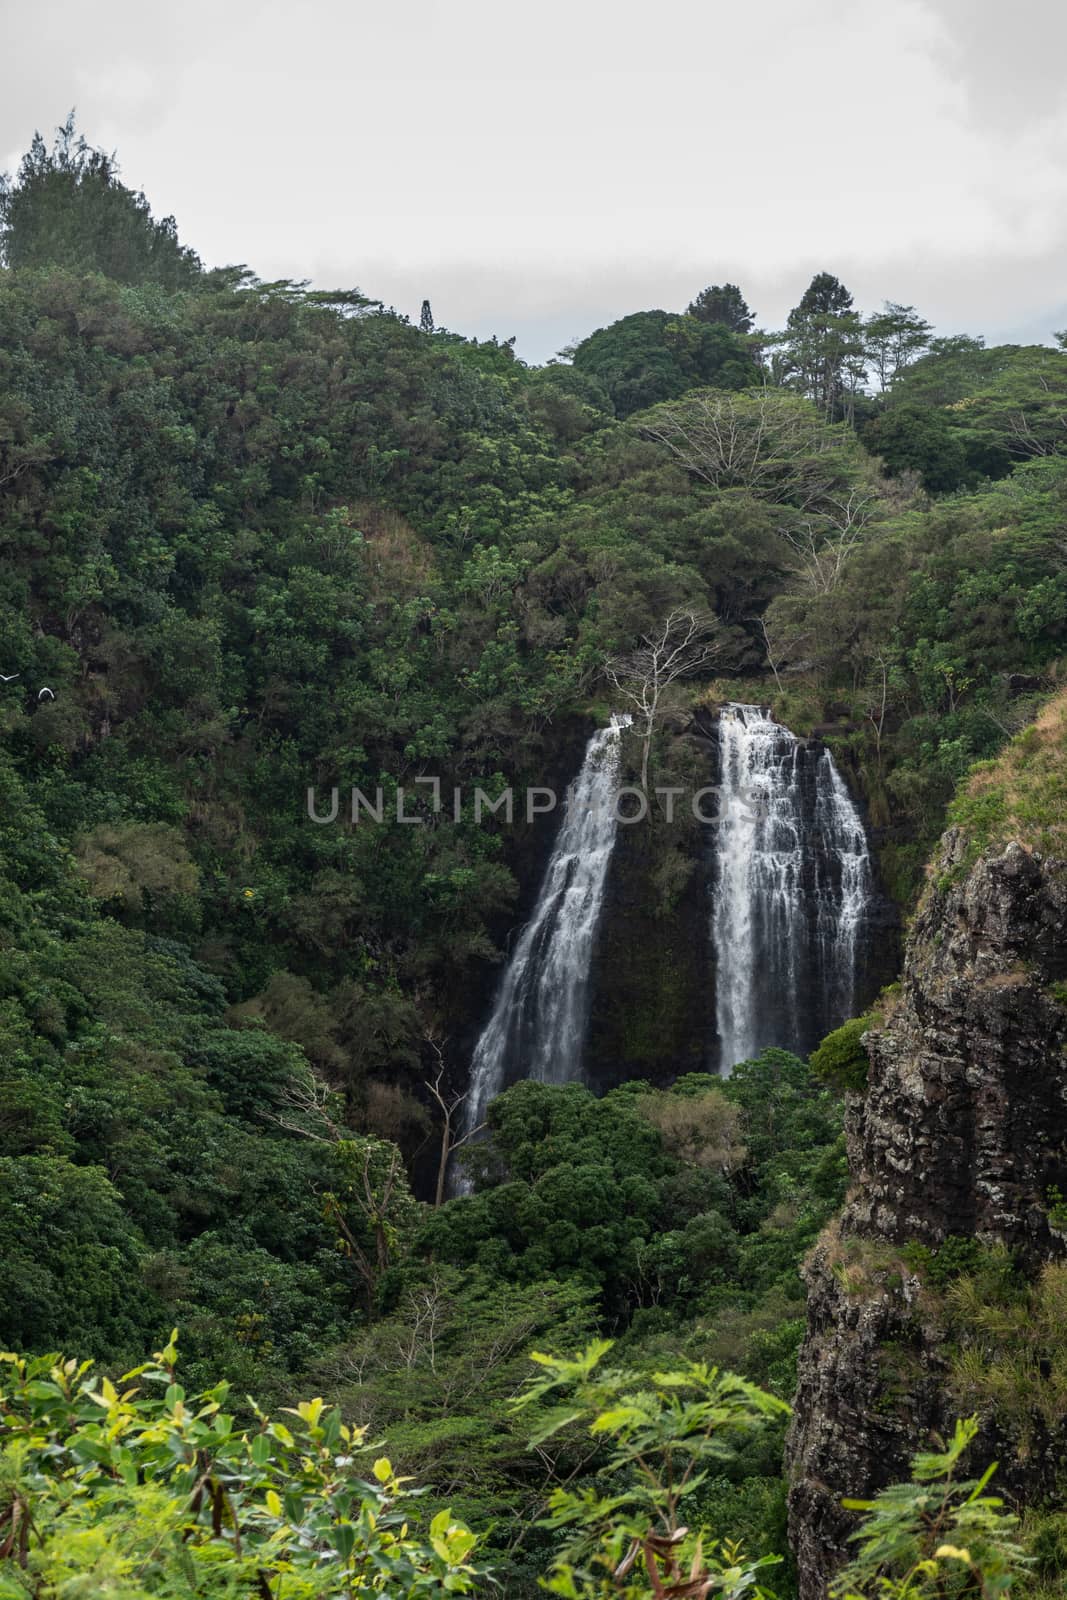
538, 1022
791, 893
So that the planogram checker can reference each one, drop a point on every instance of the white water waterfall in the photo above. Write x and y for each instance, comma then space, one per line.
792, 888
847, 897
538, 1022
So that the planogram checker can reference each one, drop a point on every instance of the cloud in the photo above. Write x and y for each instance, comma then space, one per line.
1007, 58
544, 174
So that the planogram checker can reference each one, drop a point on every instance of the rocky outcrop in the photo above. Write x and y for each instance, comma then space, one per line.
961, 1135
870, 1385
964, 1127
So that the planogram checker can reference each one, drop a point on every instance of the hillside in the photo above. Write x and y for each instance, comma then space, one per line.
259, 539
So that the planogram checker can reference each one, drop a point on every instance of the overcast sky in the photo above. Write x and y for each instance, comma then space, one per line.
541, 169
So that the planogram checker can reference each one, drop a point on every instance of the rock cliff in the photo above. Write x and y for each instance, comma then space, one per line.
958, 1152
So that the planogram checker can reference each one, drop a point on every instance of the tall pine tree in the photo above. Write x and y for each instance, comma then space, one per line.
722, 302
66, 207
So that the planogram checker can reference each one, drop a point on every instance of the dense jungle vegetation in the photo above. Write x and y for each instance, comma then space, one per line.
257, 537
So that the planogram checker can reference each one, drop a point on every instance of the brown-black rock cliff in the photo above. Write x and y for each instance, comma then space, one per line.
960, 1142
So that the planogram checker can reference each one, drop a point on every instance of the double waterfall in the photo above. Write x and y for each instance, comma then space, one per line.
791, 887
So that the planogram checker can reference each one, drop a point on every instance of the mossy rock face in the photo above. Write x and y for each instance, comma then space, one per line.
652, 1001
1022, 795
958, 1160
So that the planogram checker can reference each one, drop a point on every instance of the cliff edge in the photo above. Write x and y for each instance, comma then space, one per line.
958, 1158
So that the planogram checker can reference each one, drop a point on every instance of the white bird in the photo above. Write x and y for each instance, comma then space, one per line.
5, 679
45, 691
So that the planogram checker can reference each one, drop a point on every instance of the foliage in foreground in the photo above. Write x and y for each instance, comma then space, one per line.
117, 1491
107, 1491
626, 1531
934, 1537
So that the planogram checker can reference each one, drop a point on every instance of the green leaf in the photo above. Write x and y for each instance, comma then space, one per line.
343, 1539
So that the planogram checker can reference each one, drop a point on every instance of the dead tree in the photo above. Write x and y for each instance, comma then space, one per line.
685, 641
449, 1104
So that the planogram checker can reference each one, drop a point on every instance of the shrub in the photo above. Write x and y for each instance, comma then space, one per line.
842, 1060
116, 1491
934, 1537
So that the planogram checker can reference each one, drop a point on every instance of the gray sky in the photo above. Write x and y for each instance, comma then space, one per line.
540, 170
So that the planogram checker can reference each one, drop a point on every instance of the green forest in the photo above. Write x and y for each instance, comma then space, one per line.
258, 537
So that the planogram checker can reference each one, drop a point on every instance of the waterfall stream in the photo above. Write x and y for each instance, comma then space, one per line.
791, 898
538, 1022
792, 888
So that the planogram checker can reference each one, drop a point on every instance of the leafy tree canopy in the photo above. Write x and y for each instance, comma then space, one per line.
654, 356
723, 302
66, 207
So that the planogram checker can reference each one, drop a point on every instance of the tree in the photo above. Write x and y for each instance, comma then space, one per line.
368, 1202
69, 1257
572, 1183
370, 1206
821, 545
653, 356
935, 1536
825, 296
841, 1060
426, 318
951, 369
998, 405
197, 1506
134, 863
702, 1129
893, 338
776, 446
448, 1104
919, 439
823, 346
722, 302
66, 207
685, 641
664, 1432
765, 440
1024, 407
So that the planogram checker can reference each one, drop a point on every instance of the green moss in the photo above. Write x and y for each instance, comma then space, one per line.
954, 1257
901, 867
841, 1059
1057, 1207
1023, 793
800, 709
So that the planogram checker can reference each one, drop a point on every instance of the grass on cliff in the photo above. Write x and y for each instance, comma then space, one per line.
1023, 793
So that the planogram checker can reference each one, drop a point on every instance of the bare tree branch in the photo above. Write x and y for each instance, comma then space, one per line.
449, 1104
684, 642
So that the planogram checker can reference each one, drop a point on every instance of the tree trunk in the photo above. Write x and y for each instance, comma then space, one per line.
442, 1165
